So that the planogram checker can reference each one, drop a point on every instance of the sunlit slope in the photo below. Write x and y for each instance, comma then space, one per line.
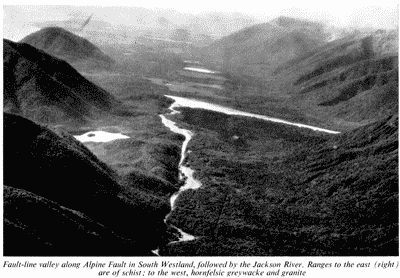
344, 83
74, 49
265, 45
352, 79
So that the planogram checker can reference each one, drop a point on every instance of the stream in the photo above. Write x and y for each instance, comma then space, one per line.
186, 173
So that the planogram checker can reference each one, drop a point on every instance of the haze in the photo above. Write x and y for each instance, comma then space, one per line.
18, 21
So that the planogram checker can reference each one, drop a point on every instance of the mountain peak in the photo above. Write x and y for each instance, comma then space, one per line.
48, 89
72, 48
290, 22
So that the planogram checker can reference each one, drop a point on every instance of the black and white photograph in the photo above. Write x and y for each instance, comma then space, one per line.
200, 129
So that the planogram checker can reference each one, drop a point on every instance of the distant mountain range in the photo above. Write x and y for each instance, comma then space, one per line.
353, 79
47, 89
218, 24
61, 200
65, 45
341, 76
141, 19
267, 44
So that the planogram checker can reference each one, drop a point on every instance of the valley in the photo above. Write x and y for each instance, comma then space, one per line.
238, 158
204, 151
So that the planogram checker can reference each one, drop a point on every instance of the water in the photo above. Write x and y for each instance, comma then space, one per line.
167, 40
200, 70
192, 103
185, 173
100, 136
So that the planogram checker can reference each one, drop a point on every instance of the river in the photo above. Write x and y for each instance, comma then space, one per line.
202, 70
192, 103
186, 173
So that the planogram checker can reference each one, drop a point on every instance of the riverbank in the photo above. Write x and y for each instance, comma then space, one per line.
265, 182
219, 113
208, 90
197, 82
192, 103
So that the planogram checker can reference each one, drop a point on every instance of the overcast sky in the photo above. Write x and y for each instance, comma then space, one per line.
376, 14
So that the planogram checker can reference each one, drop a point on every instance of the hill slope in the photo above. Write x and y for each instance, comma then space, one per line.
58, 230
352, 79
332, 197
68, 182
267, 44
218, 23
47, 89
342, 84
65, 45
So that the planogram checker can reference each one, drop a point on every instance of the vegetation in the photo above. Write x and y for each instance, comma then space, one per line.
342, 84
46, 89
83, 184
268, 189
58, 231
264, 45
132, 181
75, 50
305, 195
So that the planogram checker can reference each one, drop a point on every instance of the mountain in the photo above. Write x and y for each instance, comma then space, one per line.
65, 45
341, 84
218, 24
165, 23
47, 89
60, 199
267, 44
351, 79
57, 231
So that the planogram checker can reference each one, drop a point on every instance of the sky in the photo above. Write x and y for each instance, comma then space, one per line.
373, 14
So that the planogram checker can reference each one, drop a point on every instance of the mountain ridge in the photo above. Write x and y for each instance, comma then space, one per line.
65, 45
80, 187
344, 83
278, 40
47, 89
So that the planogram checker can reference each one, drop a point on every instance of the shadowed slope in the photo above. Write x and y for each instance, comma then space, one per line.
46, 89
55, 166
44, 228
